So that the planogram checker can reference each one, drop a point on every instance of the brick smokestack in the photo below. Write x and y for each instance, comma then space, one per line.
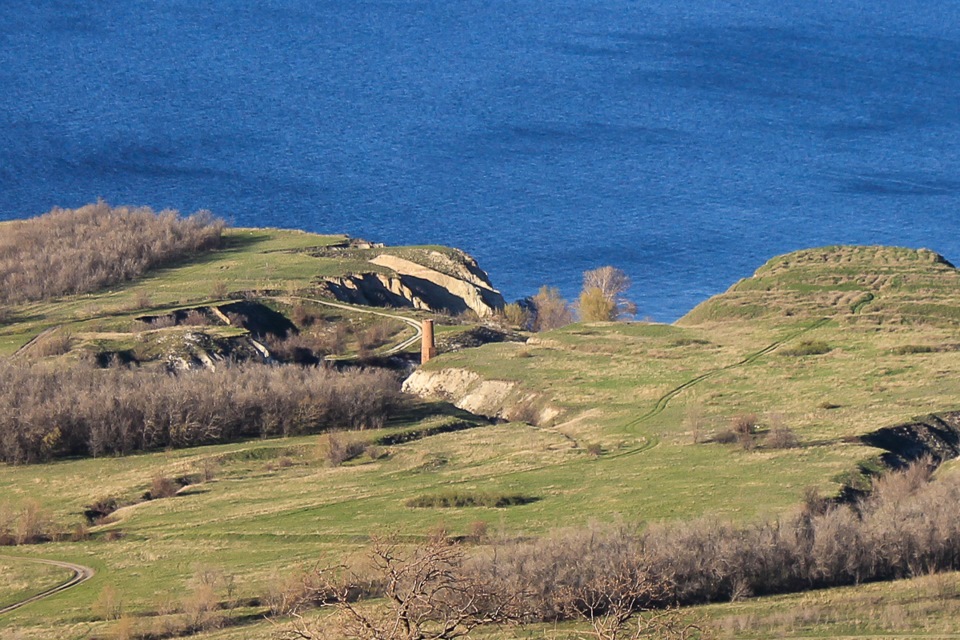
428, 346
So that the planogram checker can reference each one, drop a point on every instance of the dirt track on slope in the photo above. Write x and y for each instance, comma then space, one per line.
80, 575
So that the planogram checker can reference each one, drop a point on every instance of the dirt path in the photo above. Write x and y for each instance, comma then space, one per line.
80, 575
664, 400
397, 348
756, 355
33, 341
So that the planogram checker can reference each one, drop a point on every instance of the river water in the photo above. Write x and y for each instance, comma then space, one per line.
685, 142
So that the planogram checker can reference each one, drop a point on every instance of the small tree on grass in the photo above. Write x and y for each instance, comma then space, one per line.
603, 295
551, 310
593, 306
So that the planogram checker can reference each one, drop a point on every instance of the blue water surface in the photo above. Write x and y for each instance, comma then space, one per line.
685, 142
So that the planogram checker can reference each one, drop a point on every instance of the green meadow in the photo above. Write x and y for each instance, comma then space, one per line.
827, 345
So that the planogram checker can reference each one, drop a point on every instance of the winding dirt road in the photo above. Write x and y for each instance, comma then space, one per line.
80, 575
409, 321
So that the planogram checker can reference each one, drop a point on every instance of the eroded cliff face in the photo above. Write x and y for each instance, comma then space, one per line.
436, 281
500, 399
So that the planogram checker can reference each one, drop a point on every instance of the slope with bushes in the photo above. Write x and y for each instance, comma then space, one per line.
72, 251
712, 433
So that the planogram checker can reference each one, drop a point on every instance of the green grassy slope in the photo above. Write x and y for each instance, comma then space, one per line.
270, 265
23, 579
741, 352
641, 403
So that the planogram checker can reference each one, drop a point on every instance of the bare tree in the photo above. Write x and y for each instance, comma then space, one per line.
551, 310
429, 595
603, 295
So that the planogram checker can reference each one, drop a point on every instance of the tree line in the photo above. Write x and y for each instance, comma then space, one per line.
73, 251
602, 299
48, 412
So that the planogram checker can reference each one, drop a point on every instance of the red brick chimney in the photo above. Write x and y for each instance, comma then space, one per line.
428, 346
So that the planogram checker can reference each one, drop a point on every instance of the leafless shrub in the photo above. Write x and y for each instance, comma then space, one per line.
142, 300
219, 290
527, 410
162, 487
195, 318
56, 343
82, 250
80, 533
780, 436
32, 524
375, 452
301, 348
163, 322
429, 594
209, 468
200, 606
287, 593
745, 426
376, 335
302, 316
478, 531
695, 421
125, 628
550, 310
726, 436
47, 413
7, 520
341, 449
108, 605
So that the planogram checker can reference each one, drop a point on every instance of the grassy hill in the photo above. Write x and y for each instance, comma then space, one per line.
823, 346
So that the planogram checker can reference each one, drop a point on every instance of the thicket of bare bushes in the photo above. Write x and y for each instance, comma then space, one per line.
70, 251
436, 591
47, 413
27, 523
907, 527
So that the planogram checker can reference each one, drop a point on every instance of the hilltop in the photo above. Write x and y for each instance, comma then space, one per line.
864, 285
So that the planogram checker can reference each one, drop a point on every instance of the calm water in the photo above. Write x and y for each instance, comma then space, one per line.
685, 142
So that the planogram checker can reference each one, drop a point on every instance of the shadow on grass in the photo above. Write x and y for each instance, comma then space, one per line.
425, 409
